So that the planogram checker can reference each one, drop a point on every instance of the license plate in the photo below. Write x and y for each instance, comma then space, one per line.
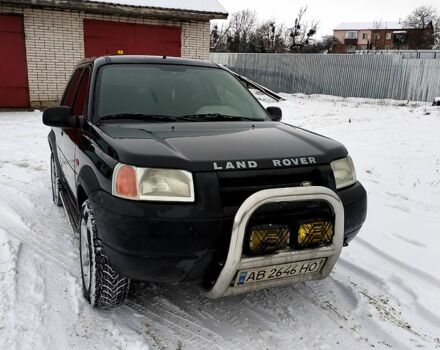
276, 272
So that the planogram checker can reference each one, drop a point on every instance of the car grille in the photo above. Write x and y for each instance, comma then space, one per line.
236, 186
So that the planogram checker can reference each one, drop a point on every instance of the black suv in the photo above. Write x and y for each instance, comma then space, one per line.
171, 170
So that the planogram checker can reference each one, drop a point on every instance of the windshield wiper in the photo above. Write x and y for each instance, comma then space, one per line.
214, 117
139, 116
158, 118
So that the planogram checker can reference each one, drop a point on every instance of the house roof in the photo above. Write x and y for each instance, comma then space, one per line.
209, 6
369, 26
169, 9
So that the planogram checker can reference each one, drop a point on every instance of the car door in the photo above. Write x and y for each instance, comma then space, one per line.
74, 135
69, 138
60, 133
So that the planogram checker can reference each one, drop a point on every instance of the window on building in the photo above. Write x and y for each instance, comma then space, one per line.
351, 35
400, 39
388, 36
377, 36
365, 36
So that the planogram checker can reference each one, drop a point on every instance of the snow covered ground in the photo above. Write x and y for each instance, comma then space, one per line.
384, 292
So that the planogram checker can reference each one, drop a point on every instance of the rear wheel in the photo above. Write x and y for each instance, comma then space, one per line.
103, 287
55, 181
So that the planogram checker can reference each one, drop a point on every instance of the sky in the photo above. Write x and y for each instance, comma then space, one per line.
329, 12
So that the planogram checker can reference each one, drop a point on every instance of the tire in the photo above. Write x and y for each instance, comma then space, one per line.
103, 287
55, 182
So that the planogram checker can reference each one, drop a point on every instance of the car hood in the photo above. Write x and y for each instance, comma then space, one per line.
204, 146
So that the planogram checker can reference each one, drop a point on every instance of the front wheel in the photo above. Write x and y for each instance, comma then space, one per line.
103, 287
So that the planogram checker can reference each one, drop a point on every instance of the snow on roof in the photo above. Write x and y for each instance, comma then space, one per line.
210, 6
369, 25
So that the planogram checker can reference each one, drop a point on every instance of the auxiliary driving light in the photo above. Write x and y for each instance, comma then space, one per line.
266, 239
315, 234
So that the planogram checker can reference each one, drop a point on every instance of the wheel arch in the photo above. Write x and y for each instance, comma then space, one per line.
53, 148
51, 140
86, 183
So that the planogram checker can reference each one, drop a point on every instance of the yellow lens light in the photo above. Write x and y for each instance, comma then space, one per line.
315, 233
266, 239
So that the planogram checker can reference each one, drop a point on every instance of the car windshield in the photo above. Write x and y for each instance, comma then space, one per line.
185, 93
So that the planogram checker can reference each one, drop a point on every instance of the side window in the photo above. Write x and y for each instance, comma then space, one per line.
69, 95
81, 96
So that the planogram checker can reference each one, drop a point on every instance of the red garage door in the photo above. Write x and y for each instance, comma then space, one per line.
113, 38
14, 89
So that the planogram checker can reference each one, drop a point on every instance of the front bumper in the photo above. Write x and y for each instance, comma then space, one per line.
163, 242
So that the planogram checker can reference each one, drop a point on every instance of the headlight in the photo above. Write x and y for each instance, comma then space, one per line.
344, 172
148, 184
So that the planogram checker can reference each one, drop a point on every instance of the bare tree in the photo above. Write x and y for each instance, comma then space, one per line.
263, 37
427, 20
302, 31
269, 37
243, 21
235, 34
421, 17
218, 37
281, 38
243, 33
241, 26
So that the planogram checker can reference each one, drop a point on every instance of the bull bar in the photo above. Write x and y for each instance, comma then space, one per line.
235, 260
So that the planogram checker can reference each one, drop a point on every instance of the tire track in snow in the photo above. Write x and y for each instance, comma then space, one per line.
9, 251
30, 300
317, 294
207, 320
200, 309
427, 314
32, 229
44, 248
388, 314
183, 330
367, 328
419, 274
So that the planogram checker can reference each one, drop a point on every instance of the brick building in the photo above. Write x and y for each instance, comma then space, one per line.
351, 37
41, 41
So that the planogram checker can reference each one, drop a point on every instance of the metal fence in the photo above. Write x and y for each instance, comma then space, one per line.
373, 76
408, 54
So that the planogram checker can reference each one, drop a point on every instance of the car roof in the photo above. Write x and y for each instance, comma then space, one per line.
138, 59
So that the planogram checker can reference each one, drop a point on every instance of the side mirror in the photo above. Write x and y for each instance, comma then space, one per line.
60, 117
275, 113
